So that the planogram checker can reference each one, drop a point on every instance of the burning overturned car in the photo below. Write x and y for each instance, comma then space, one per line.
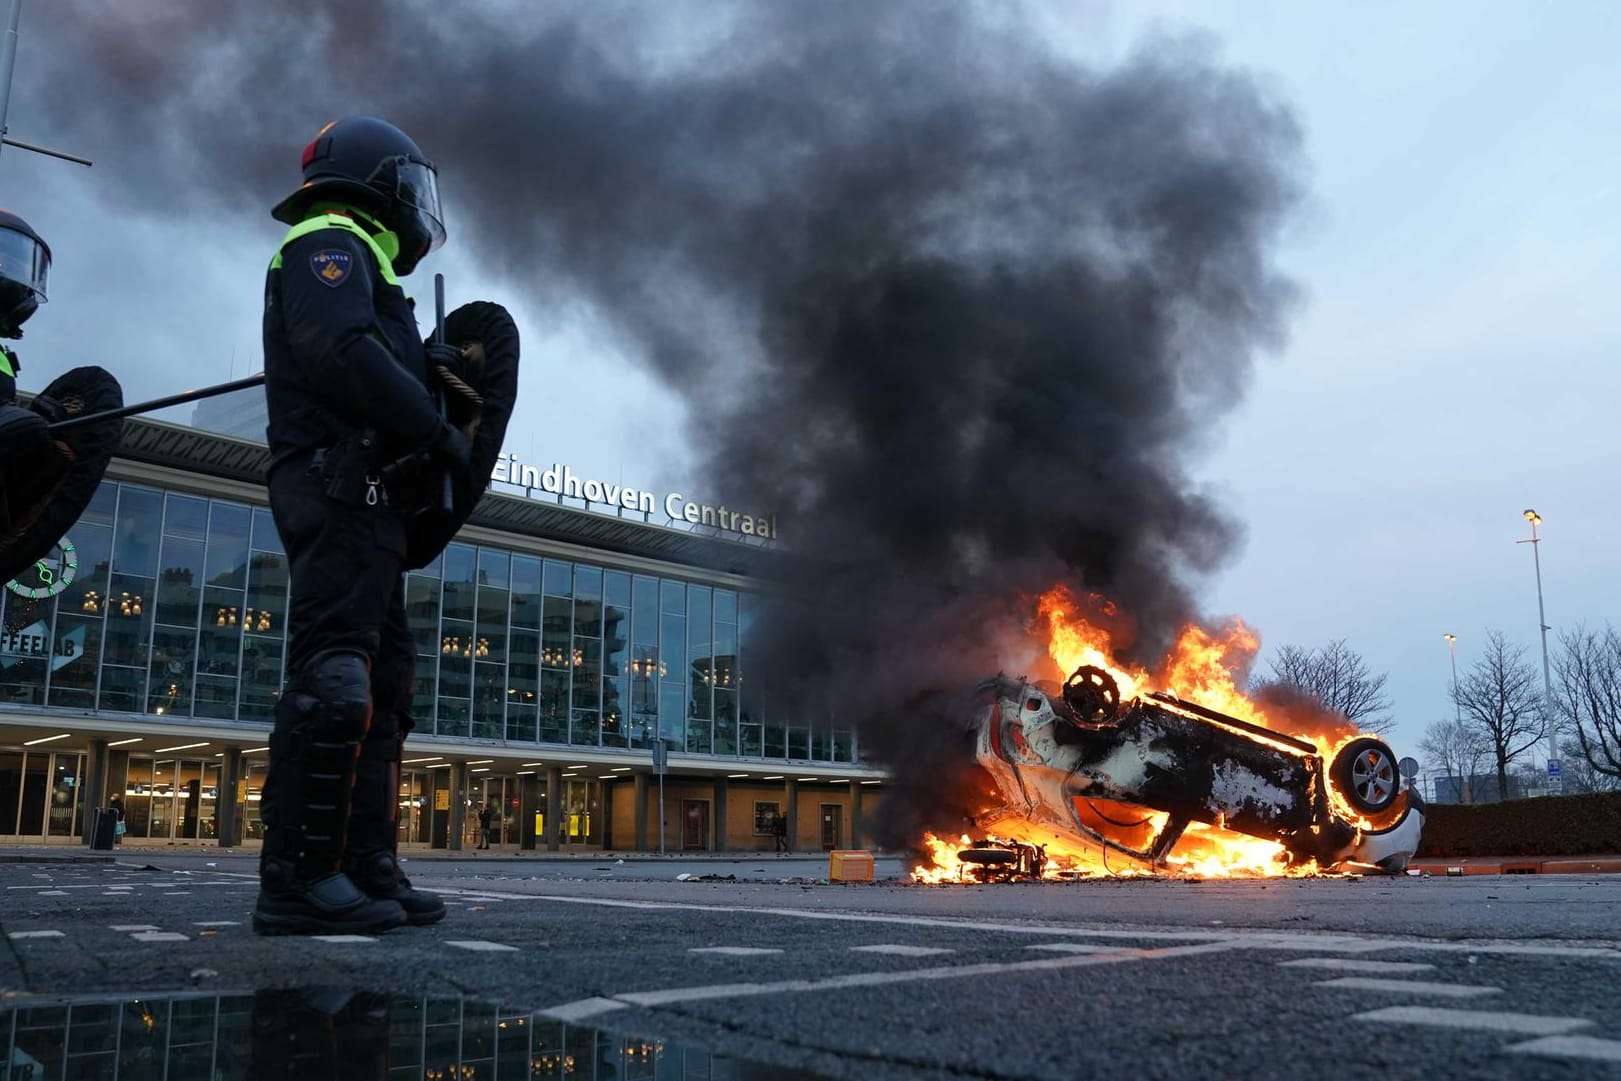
1076, 765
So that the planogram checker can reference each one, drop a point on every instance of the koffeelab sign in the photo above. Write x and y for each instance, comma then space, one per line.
560, 480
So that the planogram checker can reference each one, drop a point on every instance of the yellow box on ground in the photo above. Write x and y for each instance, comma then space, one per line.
849, 866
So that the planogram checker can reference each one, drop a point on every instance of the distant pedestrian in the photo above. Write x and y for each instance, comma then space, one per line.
116, 806
486, 825
779, 832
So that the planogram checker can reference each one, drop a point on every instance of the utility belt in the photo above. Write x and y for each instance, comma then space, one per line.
357, 472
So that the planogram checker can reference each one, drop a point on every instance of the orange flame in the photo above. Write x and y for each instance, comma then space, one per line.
1204, 666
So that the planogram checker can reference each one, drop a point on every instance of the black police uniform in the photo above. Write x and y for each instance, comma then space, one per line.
347, 395
9, 366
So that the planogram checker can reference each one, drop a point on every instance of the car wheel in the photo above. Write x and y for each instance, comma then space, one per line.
1092, 694
1366, 774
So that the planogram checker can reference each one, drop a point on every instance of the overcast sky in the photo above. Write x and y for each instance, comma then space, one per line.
1452, 361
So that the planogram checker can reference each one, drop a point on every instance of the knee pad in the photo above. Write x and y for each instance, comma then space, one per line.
340, 685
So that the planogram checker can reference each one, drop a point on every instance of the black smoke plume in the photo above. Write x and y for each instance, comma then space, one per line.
957, 306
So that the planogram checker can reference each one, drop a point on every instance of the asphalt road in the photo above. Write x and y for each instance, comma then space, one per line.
1512, 977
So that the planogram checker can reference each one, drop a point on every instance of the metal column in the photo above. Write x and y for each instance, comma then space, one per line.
230, 815
528, 804
792, 813
95, 786
855, 815
640, 782
458, 806
554, 808
722, 788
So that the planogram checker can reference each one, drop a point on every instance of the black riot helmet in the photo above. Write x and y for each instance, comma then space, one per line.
25, 264
375, 167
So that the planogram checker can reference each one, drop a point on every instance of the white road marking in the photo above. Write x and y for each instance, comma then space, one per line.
1411, 987
597, 1005
903, 951
36, 934
1264, 940
64, 886
1570, 1047
733, 951
1351, 964
482, 947
1518, 1024
132, 927
1074, 947
159, 936
54, 893
219, 923
343, 939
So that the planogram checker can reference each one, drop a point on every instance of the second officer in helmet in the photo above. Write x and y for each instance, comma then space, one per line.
348, 396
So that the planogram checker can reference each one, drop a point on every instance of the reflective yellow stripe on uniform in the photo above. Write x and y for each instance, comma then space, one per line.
338, 221
6, 368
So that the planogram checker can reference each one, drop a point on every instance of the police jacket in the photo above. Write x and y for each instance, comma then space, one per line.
8, 376
342, 349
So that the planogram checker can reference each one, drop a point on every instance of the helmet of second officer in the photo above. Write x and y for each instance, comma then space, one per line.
25, 265
375, 167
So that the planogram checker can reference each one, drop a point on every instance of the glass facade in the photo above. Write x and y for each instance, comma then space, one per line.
179, 606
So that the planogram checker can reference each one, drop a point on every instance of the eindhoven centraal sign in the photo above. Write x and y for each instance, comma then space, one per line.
560, 480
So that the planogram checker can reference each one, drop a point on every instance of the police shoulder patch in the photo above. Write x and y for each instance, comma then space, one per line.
332, 266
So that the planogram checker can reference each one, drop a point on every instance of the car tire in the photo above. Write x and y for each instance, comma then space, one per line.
1366, 774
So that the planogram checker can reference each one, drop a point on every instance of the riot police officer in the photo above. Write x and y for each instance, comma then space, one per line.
25, 264
351, 420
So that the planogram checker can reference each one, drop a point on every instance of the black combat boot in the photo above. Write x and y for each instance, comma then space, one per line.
379, 875
305, 806
372, 856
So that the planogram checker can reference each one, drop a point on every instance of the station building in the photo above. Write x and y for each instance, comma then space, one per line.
560, 638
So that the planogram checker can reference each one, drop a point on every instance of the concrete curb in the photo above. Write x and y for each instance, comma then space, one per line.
1519, 865
54, 856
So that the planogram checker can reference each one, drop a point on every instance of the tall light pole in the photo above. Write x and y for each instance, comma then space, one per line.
1542, 621
1452, 648
8, 64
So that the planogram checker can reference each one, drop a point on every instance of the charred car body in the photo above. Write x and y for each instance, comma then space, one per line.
1132, 777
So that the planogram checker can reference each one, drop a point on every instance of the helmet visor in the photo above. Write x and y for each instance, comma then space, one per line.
414, 185
25, 261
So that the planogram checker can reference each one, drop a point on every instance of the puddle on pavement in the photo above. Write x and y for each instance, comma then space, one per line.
317, 1035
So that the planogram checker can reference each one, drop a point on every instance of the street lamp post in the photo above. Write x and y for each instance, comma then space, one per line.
1542, 621
1452, 648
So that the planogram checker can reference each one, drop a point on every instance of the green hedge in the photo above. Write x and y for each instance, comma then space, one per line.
1587, 825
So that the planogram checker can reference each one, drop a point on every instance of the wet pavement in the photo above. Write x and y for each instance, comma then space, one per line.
1463, 977
318, 1034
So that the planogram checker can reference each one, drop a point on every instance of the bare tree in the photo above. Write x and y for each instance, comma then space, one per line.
1501, 699
1458, 750
1587, 696
1579, 774
1339, 679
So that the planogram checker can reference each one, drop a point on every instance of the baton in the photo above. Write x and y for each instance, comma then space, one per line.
447, 487
158, 403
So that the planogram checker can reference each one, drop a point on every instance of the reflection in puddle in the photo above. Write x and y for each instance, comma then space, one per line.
320, 1035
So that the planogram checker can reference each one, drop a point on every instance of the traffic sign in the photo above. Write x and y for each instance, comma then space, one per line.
1553, 767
